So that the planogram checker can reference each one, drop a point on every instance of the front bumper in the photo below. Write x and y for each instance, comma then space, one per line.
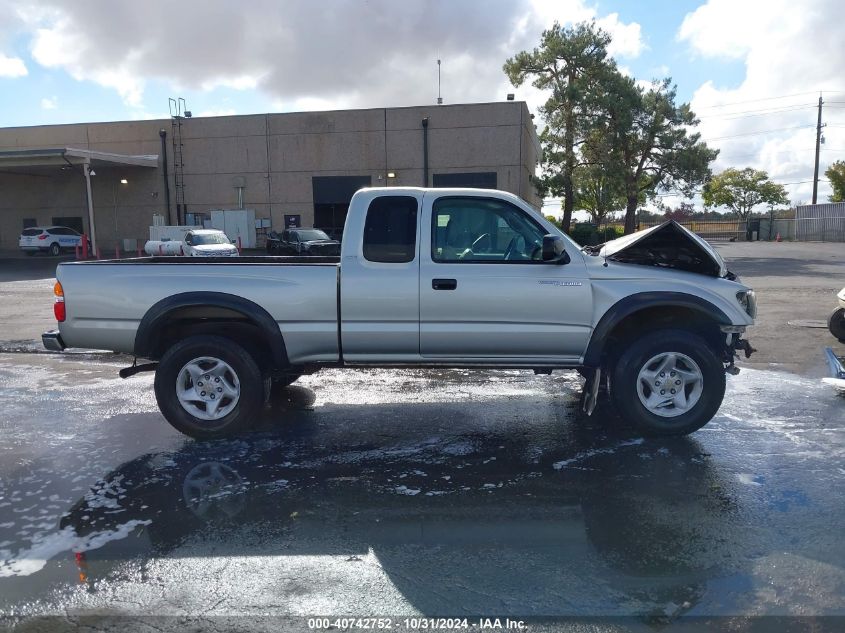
52, 340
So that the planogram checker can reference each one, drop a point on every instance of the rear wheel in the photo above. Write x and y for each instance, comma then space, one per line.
836, 324
668, 382
209, 387
55, 249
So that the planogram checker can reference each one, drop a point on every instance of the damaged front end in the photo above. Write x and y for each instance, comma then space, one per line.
734, 343
668, 245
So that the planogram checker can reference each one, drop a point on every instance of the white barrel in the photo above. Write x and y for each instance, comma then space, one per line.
165, 247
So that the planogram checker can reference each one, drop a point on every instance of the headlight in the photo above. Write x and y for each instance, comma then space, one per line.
748, 300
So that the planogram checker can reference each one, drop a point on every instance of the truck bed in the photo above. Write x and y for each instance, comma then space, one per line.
106, 300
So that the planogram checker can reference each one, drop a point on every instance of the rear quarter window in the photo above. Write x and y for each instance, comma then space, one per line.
390, 231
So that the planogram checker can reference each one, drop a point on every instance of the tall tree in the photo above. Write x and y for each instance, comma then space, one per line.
836, 175
569, 61
740, 190
651, 141
598, 191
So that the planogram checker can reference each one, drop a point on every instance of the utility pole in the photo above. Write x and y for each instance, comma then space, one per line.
818, 149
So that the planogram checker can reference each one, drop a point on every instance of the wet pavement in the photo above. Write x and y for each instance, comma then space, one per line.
401, 493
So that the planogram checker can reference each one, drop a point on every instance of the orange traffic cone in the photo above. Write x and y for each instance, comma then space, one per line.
777, 238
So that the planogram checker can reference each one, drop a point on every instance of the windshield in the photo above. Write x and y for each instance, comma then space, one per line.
312, 235
208, 239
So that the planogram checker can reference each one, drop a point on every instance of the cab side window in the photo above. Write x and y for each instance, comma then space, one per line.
390, 230
483, 230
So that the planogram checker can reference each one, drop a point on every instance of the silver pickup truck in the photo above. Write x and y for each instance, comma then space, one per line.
426, 278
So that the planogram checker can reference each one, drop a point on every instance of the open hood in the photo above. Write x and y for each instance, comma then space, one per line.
668, 245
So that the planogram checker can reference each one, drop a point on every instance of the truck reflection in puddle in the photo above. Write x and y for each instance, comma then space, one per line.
486, 521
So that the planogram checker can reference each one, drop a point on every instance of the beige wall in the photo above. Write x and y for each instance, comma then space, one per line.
275, 155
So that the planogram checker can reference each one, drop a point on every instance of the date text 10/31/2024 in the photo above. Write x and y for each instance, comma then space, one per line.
416, 624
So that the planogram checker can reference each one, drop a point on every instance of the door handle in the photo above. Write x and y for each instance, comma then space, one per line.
444, 284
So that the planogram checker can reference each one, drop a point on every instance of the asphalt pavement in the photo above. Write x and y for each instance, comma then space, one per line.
410, 493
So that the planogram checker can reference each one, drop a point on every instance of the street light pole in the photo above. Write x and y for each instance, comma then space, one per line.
86, 170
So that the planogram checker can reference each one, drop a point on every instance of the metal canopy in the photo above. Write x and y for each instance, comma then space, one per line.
61, 156
50, 158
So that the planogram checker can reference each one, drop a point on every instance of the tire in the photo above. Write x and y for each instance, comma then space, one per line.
675, 351
239, 380
836, 324
55, 249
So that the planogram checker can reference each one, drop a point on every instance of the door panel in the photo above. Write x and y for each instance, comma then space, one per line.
505, 303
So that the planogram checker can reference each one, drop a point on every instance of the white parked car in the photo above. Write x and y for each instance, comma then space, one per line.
49, 239
197, 243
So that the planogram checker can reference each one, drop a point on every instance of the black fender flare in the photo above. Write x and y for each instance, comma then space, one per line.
159, 313
627, 306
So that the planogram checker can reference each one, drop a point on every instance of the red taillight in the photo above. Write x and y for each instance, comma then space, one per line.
59, 305
43, 236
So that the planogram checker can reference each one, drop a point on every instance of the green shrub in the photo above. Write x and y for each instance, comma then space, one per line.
587, 234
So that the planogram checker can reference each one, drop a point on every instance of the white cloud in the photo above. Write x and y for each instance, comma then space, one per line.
11, 67
49, 103
242, 82
63, 45
791, 51
627, 38
301, 54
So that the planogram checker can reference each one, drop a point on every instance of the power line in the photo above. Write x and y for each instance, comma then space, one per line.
751, 113
795, 94
782, 129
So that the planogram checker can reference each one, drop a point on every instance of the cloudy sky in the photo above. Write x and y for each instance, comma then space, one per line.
753, 69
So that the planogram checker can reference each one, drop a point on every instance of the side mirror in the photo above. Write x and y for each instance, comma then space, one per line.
553, 250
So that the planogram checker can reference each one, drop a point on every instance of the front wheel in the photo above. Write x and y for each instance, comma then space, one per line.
668, 382
209, 387
836, 324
